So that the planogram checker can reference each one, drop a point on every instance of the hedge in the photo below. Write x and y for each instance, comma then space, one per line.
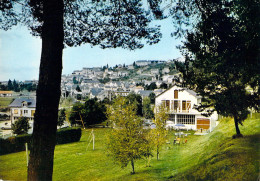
17, 143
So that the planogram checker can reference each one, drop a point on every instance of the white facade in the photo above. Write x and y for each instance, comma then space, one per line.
22, 108
180, 103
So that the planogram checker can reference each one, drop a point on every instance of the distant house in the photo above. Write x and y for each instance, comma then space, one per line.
22, 107
6, 93
180, 103
144, 93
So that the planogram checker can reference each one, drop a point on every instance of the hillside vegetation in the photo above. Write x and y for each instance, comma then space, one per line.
215, 156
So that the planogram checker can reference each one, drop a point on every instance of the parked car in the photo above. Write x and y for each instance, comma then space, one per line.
180, 127
169, 124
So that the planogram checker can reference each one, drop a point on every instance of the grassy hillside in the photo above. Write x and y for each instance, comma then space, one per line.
215, 156
5, 101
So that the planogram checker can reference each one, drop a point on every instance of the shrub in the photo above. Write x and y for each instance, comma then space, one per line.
21, 126
17, 143
14, 144
68, 135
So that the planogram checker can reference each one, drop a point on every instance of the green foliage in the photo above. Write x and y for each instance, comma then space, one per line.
78, 88
91, 112
163, 86
152, 98
137, 100
14, 144
221, 55
147, 110
75, 81
127, 140
230, 159
152, 86
68, 135
61, 117
160, 133
17, 143
21, 126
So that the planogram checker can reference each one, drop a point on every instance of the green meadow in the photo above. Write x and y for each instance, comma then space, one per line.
215, 156
5, 101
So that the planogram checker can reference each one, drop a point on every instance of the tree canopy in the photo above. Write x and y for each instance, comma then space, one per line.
60, 23
21, 126
222, 54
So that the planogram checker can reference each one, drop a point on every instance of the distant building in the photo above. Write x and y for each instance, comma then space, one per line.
22, 107
6, 93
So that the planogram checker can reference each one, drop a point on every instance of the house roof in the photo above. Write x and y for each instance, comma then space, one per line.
18, 102
96, 91
6, 92
183, 88
145, 93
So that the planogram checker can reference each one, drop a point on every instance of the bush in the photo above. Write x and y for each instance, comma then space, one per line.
21, 126
14, 144
68, 135
17, 143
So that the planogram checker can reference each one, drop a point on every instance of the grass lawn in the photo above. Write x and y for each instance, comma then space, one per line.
5, 101
215, 156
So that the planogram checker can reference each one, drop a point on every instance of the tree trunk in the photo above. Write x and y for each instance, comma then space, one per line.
133, 166
48, 93
157, 151
238, 135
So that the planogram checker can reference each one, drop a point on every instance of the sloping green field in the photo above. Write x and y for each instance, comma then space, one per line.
5, 101
215, 156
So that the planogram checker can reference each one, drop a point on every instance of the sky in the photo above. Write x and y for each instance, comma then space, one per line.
20, 53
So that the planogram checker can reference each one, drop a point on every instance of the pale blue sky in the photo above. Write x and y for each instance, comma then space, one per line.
20, 54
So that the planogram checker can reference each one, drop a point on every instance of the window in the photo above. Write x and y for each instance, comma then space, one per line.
32, 112
15, 111
167, 104
175, 94
172, 105
185, 119
183, 105
25, 111
172, 117
164, 103
175, 106
188, 105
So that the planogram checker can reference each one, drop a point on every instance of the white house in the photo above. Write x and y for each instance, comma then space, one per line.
22, 107
181, 108
6, 93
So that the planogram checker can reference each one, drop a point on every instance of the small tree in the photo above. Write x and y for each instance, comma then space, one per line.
126, 142
21, 126
62, 117
78, 88
147, 111
160, 132
152, 98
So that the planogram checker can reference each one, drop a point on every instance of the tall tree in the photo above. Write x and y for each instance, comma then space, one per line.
126, 142
10, 85
108, 23
222, 54
160, 131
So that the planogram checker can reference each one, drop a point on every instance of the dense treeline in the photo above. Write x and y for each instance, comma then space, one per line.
17, 86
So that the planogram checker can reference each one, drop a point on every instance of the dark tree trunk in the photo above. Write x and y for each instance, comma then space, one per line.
48, 93
238, 135
157, 151
133, 166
